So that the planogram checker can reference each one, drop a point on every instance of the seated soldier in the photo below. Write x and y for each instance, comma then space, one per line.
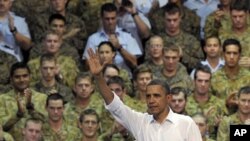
32, 130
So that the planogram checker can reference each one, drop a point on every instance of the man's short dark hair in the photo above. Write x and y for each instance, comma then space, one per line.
161, 83
213, 36
239, 5
231, 42
47, 57
171, 8
116, 80
178, 90
244, 90
89, 112
141, 69
18, 65
55, 96
56, 17
108, 7
202, 68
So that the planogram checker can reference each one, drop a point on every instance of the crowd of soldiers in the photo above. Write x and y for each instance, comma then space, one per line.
198, 47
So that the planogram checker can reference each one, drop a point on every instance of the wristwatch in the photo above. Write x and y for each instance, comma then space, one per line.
13, 31
133, 14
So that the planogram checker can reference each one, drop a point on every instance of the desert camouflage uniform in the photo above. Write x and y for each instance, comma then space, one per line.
7, 137
57, 88
211, 27
212, 108
72, 111
190, 22
192, 51
6, 61
68, 70
66, 133
224, 127
222, 86
180, 79
8, 111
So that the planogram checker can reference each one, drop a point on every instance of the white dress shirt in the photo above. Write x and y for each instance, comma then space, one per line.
176, 127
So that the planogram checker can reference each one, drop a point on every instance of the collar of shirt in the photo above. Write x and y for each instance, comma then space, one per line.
103, 33
220, 64
170, 117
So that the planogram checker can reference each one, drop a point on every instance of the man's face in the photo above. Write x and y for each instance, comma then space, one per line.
55, 110
58, 5
48, 70
212, 48
32, 131
174, 1
89, 126
84, 88
5, 6
142, 80
202, 83
117, 89
58, 26
170, 60
20, 79
172, 22
157, 100
109, 20
244, 104
201, 123
231, 55
239, 19
52, 43
155, 47
106, 54
178, 103
110, 72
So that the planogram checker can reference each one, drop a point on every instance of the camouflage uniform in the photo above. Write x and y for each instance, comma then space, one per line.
224, 127
8, 110
66, 133
180, 79
89, 11
190, 22
128, 84
222, 86
211, 27
68, 70
59, 88
214, 106
6, 61
192, 51
154, 67
7, 137
244, 39
72, 111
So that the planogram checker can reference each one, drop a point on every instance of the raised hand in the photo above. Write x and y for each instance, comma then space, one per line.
94, 62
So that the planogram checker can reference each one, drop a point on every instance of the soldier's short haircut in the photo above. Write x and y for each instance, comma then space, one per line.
110, 66
239, 5
141, 69
18, 65
56, 17
178, 90
244, 90
202, 68
213, 36
172, 47
47, 57
228, 42
108, 43
171, 8
161, 83
54, 96
84, 75
108, 7
116, 80
51, 32
89, 112
36, 117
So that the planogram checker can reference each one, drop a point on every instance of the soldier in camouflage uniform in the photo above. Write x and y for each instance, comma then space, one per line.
190, 22
218, 20
242, 116
73, 23
67, 69
32, 130
202, 101
4, 136
21, 102
191, 50
113, 131
173, 72
85, 97
231, 77
48, 83
56, 128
